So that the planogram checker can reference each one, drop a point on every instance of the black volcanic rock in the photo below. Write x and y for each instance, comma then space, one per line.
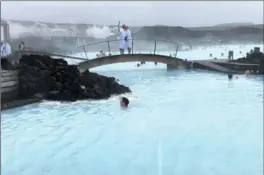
101, 86
6, 64
56, 80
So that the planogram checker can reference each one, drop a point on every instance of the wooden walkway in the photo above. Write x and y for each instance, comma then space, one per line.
213, 66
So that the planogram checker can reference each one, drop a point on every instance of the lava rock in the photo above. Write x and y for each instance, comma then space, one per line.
100, 86
54, 79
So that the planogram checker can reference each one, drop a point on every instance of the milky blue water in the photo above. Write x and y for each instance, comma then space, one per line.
178, 123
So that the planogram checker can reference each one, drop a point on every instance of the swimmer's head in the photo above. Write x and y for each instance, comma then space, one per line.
247, 72
124, 102
230, 76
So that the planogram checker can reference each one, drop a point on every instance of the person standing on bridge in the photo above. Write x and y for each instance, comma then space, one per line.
129, 39
123, 37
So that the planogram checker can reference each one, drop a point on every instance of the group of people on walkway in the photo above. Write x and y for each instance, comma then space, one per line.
6, 49
125, 39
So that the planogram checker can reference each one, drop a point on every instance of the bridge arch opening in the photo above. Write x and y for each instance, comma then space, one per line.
175, 62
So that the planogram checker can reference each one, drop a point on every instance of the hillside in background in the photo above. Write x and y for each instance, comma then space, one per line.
192, 33
235, 24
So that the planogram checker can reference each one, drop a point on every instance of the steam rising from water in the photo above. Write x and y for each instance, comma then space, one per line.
101, 33
40, 29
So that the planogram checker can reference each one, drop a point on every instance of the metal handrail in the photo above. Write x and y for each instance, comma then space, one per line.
109, 48
132, 49
94, 43
46, 53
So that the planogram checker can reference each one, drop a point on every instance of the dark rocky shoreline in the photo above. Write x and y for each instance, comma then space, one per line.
54, 79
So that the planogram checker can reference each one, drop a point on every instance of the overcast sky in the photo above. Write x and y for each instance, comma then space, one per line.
176, 13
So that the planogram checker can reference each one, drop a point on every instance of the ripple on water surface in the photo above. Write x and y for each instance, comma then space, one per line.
178, 122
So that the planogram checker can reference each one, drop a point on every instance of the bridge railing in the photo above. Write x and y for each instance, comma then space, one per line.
19, 53
111, 47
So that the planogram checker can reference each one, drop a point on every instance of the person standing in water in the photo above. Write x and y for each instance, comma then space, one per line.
122, 38
129, 39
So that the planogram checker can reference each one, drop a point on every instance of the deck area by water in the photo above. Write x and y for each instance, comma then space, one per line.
224, 66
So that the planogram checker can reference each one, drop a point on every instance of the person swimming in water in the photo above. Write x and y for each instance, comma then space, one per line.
230, 76
124, 102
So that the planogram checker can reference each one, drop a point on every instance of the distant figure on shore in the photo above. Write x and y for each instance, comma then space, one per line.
124, 102
21, 46
123, 38
129, 39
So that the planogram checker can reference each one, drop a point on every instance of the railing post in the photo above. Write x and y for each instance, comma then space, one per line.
85, 52
132, 46
155, 47
108, 42
176, 51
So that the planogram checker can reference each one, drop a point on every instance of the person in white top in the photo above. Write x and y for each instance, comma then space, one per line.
129, 39
123, 38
